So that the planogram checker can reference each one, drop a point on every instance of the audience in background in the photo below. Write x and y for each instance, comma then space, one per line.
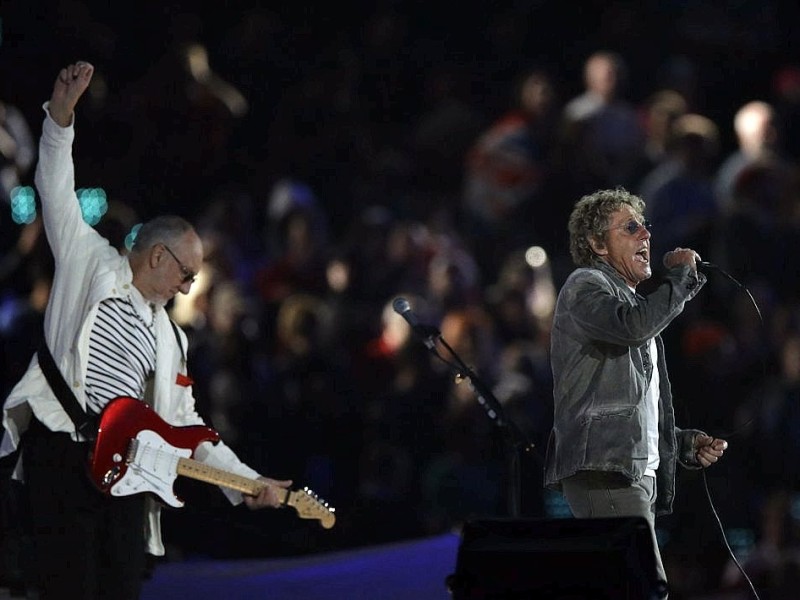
601, 134
679, 189
756, 132
508, 171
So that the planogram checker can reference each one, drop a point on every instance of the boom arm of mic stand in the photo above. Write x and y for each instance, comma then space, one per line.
515, 439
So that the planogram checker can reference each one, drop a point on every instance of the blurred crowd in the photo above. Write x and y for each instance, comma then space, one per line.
328, 179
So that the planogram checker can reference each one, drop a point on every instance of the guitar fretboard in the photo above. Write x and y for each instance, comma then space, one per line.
196, 470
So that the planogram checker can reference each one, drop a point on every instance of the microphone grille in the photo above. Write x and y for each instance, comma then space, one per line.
400, 305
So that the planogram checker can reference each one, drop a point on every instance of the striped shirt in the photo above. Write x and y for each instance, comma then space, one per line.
122, 351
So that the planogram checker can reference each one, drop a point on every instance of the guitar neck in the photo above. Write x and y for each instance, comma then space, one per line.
196, 470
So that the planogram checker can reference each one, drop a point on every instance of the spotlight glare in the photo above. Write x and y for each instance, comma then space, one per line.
93, 204
535, 256
23, 205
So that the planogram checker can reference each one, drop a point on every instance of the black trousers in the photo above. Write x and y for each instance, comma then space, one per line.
87, 545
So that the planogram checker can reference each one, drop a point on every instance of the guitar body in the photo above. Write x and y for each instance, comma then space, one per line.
137, 451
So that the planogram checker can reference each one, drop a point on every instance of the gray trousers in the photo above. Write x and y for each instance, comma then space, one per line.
597, 494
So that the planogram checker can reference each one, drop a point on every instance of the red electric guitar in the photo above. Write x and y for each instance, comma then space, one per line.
137, 451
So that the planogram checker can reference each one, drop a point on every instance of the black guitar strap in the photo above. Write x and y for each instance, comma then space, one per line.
85, 423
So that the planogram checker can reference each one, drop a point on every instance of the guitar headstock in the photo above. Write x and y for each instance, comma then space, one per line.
310, 506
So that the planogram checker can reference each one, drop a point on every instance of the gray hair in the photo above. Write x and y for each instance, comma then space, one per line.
590, 217
167, 229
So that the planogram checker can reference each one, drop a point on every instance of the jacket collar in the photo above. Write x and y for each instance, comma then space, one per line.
603, 266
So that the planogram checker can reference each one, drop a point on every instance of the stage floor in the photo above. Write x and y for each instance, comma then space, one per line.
400, 571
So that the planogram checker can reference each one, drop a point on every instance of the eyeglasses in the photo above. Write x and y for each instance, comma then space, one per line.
188, 276
633, 227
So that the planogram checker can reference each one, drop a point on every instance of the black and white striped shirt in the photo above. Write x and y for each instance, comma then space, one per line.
122, 351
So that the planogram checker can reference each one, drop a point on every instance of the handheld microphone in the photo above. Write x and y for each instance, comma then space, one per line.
700, 264
426, 332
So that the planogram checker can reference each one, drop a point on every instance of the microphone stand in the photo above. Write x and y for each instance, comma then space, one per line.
516, 441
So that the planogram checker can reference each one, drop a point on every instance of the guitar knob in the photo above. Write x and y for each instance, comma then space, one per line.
110, 475
117, 457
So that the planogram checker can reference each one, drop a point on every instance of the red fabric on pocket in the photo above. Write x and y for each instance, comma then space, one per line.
184, 380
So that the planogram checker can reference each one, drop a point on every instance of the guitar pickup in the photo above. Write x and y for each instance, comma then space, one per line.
130, 454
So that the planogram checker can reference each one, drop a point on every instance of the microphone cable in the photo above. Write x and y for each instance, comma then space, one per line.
741, 286
736, 282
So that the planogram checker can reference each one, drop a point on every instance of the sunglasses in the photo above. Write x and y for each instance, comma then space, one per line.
187, 275
633, 227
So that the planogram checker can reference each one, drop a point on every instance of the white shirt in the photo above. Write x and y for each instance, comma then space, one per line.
653, 398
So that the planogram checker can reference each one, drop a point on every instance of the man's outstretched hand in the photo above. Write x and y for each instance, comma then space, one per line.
69, 86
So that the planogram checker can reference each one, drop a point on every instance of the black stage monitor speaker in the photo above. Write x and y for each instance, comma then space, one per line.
571, 559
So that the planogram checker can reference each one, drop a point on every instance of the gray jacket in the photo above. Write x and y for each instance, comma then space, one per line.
601, 369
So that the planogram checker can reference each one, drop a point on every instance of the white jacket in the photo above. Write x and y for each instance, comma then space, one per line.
88, 270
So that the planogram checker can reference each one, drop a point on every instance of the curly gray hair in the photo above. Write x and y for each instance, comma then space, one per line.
590, 217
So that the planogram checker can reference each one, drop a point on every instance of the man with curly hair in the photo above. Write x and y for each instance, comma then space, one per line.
614, 445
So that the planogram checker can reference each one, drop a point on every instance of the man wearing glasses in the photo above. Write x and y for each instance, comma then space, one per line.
109, 336
614, 444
